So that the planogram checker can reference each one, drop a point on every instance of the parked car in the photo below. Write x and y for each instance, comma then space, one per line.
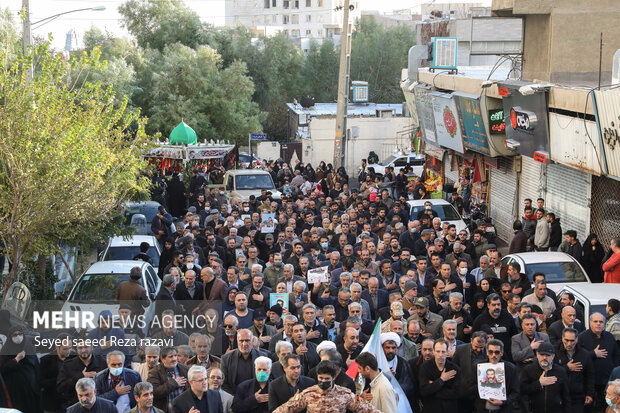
95, 290
559, 268
245, 158
241, 183
140, 215
443, 208
122, 249
415, 161
591, 298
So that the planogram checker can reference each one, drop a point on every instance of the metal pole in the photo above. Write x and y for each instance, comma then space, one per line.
250, 148
342, 89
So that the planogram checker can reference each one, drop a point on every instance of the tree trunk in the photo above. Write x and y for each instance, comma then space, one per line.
62, 257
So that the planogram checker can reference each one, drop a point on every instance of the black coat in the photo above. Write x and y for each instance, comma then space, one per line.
463, 358
50, 367
186, 400
382, 301
580, 383
406, 379
245, 401
512, 389
280, 391
549, 399
503, 328
70, 373
603, 366
181, 295
437, 395
21, 378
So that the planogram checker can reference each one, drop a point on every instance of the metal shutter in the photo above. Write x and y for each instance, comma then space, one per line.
502, 197
533, 182
568, 197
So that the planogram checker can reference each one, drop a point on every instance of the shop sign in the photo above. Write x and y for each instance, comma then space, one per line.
497, 124
527, 127
434, 151
474, 133
424, 107
447, 123
166, 153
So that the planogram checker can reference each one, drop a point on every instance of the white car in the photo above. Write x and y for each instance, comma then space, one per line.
443, 208
559, 268
591, 298
95, 290
398, 162
122, 248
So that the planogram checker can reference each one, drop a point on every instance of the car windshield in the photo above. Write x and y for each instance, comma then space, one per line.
98, 287
387, 161
557, 272
148, 212
253, 182
127, 253
445, 212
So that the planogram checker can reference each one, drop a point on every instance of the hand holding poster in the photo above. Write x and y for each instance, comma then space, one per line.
268, 224
492, 381
317, 275
281, 299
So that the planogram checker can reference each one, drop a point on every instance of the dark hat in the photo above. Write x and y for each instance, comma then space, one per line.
269, 236
192, 209
258, 314
105, 314
276, 309
124, 307
410, 285
545, 348
214, 211
491, 247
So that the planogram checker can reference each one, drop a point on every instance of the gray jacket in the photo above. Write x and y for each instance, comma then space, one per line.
521, 349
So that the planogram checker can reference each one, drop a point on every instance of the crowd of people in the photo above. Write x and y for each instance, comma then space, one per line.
444, 302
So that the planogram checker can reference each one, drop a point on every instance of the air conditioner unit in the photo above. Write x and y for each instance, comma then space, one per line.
360, 91
444, 52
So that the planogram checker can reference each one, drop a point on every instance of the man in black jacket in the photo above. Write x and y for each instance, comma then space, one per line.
579, 368
439, 381
495, 351
50, 367
467, 356
501, 323
289, 384
546, 384
197, 397
603, 349
86, 364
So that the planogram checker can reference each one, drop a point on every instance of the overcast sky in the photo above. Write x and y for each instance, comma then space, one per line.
211, 11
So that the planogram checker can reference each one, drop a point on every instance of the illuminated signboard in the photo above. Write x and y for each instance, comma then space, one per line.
497, 123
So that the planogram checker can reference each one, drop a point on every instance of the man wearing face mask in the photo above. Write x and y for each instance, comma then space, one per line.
326, 396
88, 400
546, 383
116, 384
253, 395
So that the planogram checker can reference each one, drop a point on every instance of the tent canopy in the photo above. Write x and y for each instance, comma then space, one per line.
183, 134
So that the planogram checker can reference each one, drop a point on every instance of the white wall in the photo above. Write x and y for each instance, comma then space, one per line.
268, 150
374, 134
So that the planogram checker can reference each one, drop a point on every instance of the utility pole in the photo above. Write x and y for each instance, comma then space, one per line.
26, 32
343, 88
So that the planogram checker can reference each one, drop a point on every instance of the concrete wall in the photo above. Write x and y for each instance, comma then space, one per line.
375, 134
268, 150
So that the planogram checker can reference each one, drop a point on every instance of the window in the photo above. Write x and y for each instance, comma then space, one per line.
319, 32
127, 253
285, 4
308, 3
295, 19
285, 19
274, 19
267, 2
308, 33
295, 33
319, 3
274, 3
296, 4
254, 182
308, 18
285, 32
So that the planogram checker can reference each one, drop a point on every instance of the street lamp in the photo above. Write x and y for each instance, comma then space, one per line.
27, 29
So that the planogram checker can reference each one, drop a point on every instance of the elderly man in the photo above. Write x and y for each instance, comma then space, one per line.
480, 271
169, 330
116, 383
151, 360
253, 394
456, 312
399, 367
579, 368
449, 334
169, 379
198, 398
356, 297
88, 402
143, 394
237, 365
604, 351
215, 377
541, 299
612, 396
376, 298
407, 349
202, 357
568, 320
458, 254
185, 352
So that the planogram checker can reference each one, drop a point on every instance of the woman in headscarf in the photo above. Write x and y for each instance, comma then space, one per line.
229, 303
593, 253
19, 367
310, 173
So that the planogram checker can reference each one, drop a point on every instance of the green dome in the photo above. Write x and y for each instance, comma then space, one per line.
183, 134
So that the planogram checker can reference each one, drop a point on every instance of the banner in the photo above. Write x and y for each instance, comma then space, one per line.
317, 275
269, 223
492, 381
281, 299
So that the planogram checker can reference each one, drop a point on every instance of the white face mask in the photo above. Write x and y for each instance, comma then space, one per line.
189, 266
18, 339
463, 271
